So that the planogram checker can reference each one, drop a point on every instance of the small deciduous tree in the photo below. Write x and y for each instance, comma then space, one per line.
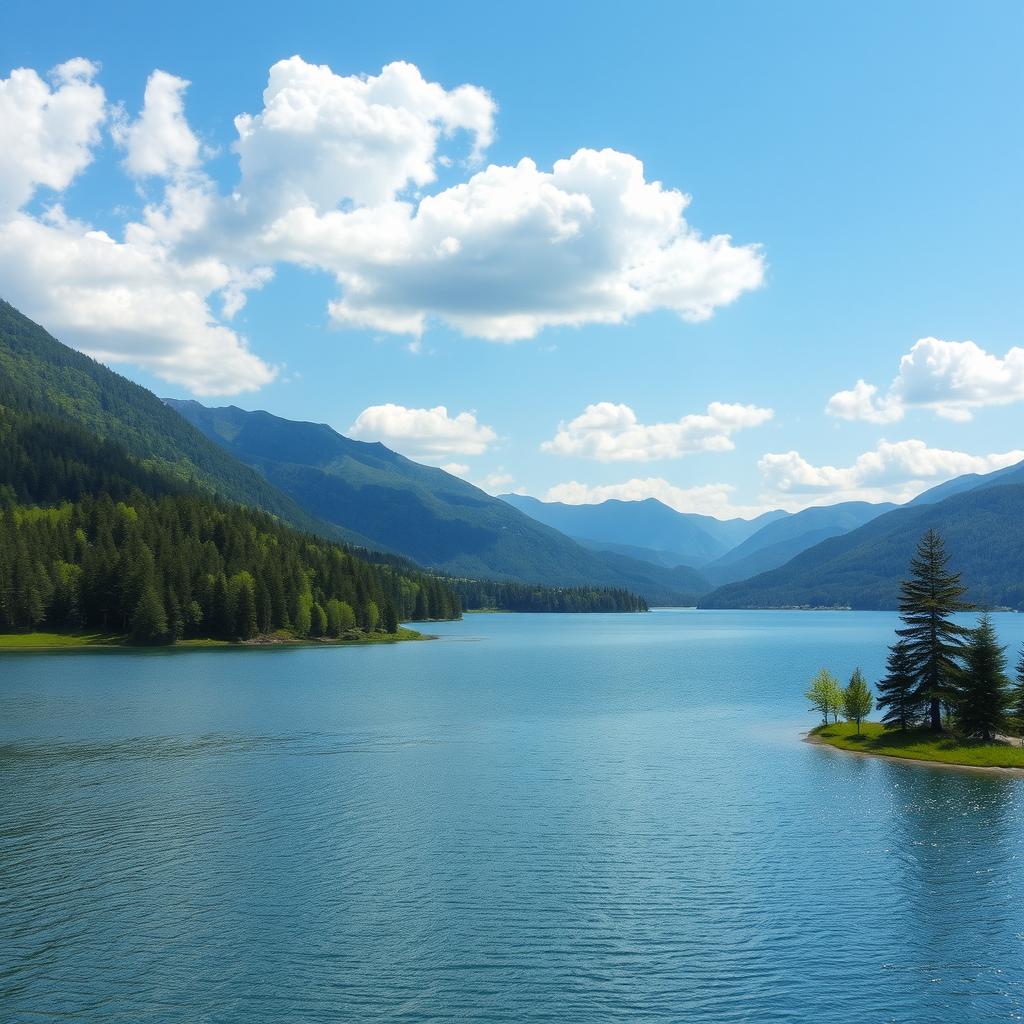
825, 695
857, 699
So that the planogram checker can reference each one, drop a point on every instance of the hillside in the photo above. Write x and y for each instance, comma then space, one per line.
40, 375
862, 569
649, 524
438, 520
782, 539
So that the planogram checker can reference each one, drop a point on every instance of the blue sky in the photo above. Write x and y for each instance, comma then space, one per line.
872, 152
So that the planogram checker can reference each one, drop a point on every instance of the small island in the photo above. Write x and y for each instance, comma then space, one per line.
946, 697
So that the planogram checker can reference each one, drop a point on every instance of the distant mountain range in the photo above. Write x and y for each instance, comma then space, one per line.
424, 513
310, 476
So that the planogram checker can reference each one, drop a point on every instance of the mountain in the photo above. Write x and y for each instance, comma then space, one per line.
862, 569
782, 539
970, 482
40, 375
647, 524
437, 519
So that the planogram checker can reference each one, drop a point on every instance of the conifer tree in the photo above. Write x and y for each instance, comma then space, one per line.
1015, 709
897, 692
149, 620
389, 618
934, 643
983, 693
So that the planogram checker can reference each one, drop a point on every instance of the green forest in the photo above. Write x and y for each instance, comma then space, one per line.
522, 597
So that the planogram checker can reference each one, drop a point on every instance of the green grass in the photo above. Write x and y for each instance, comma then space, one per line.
48, 641
920, 745
39, 641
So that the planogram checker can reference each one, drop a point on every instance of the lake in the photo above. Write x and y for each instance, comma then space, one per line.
534, 818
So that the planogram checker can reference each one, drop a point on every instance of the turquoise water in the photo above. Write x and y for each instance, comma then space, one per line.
536, 818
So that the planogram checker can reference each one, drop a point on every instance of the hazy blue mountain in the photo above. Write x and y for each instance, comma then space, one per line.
782, 539
40, 375
646, 524
422, 512
862, 568
667, 559
970, 481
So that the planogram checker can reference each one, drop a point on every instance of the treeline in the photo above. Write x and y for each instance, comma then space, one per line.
182, 565
523, 597
939, 674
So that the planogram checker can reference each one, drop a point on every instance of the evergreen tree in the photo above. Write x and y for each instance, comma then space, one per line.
244, 596
983, 693
389, 618
934, 643
857, 699
825, 695
1016, 697
897, 692
149, 620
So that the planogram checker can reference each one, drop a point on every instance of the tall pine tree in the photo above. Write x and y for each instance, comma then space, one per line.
983, 692
934, 643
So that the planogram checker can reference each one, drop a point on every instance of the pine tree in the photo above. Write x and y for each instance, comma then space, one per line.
389, 618
934, 643
983, 692
1016, 697
149, 620
897, 695
857, 699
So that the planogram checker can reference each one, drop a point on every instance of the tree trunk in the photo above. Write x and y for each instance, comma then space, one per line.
936, 715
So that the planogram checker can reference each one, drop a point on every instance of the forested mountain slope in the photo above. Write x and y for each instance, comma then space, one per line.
437, 519
38, 374
862, 569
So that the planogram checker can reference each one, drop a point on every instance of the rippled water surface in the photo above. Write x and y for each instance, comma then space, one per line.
558, 818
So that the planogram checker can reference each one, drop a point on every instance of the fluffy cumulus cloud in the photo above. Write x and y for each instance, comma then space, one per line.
339, 173
893, 471
160, 141
423, 433
706, 499
48, 129
611, 433
952, 378
130, 300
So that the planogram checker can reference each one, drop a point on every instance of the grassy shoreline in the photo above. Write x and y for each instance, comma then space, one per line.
919, 745
42, 642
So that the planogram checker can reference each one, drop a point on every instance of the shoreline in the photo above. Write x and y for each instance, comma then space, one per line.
64, 642
816, 741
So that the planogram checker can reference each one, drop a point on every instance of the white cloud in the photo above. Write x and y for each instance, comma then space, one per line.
705, 499
323, 138
496, 482
47, 132
611, 433
459, 469
893, 471
949, 377
160, 141
516, 249
423, 433
123, 302
331, 174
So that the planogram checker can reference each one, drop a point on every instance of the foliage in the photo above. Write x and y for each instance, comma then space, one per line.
521, 597
897, 691
181, 566
857, 699
934, 643
825, 695
1015, 700
983, 694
